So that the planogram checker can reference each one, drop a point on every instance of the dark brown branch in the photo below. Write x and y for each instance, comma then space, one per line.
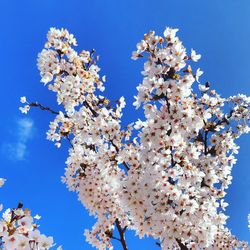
125, 165
204, 184
124, 229
225, 119
158, 244
172, 157
168, 104
90, 108
122, 234
13, 215
158, 97
181, 245
36, 104
205, 142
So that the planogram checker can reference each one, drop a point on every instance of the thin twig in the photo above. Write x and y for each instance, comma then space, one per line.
36, 104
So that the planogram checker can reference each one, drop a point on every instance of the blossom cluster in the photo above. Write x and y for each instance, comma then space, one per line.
165, 176
19, 230
75, 77
186, 148
93, 127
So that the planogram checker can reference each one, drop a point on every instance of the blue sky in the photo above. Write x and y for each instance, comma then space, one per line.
219, 30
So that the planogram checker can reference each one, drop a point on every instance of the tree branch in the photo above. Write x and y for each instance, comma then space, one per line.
205, 142
122, 234
181, 245
90, 108
36, 104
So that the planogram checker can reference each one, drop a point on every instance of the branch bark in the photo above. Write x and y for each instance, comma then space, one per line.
181, 245
36, 104
122, 234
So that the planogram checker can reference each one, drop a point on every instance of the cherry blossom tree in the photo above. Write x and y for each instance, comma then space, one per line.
163, 177
19, 230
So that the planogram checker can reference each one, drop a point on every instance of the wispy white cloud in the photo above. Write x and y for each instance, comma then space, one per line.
17, 150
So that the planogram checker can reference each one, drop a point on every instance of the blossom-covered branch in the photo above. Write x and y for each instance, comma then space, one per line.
167, 181
19, 230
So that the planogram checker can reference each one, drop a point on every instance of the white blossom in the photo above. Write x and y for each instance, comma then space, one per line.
23, 99
164, 176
